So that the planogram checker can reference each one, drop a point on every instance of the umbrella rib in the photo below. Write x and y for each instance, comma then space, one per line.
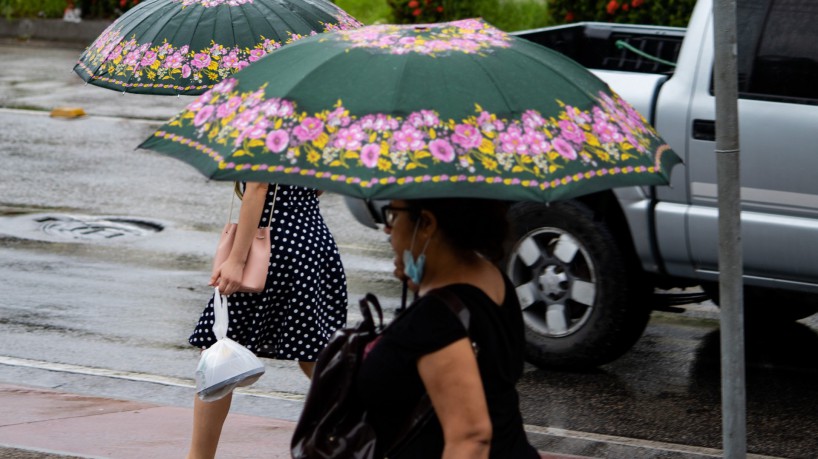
130, 77
249, 22
495, 81
289, 29
232, 27
173, 39
302, 16
215, 23
398, 84
570, 81
123, 36
276, 33
142, 54
287, 92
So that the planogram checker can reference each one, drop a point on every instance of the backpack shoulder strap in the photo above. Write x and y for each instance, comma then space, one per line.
455, 304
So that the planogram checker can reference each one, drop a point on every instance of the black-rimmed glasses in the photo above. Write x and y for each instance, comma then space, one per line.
390, 213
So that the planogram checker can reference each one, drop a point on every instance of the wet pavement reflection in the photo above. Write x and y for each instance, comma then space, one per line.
668, 389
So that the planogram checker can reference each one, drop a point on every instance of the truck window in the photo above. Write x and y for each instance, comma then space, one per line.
777, 51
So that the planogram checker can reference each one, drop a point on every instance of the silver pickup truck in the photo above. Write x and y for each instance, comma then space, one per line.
590, 271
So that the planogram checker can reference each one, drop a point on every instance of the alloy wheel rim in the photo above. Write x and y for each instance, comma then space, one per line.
555, 280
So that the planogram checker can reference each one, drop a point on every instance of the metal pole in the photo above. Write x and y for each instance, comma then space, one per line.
733, 392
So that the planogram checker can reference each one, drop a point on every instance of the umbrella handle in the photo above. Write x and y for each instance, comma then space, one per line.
404, 289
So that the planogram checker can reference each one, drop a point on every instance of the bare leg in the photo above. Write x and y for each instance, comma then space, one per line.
208, 419
307, 368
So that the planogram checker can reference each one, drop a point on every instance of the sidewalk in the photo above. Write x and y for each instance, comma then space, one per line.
82, 33
40, 423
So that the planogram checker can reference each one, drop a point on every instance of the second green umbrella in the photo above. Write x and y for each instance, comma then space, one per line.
186, 46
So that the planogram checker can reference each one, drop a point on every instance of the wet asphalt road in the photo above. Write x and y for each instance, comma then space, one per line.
109, 313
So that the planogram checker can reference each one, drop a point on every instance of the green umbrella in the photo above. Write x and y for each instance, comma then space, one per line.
451, 109
186, 46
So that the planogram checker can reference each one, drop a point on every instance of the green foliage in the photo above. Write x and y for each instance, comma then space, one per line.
511, 15
367, 11
424, 11
506, 14
32, 8
659, 12
91, 9
100, 9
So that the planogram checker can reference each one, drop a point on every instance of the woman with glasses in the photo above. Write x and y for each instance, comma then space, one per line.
469, 372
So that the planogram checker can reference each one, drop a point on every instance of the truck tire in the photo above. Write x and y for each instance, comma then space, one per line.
580, 307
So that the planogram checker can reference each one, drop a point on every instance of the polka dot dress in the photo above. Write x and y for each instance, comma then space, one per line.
305, 298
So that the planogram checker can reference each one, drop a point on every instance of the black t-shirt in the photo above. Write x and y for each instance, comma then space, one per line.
390, 385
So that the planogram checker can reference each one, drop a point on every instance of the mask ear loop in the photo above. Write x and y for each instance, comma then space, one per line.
412, 245
414, 234
405, 286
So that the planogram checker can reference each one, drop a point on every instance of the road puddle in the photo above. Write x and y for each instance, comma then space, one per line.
63, 227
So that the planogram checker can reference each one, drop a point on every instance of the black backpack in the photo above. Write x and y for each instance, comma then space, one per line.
333, 423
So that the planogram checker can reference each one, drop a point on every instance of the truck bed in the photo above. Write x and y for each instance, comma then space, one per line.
594, 45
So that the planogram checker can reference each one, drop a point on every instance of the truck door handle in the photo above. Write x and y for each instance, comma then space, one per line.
704, 130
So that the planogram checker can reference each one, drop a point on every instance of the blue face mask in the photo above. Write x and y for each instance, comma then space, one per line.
411, 267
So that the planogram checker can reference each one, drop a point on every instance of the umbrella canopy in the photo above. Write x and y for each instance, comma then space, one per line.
462, 108
186, 46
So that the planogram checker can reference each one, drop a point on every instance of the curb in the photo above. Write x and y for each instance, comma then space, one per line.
83, 32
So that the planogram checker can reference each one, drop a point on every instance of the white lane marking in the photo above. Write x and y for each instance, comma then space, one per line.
134, 376
634, 442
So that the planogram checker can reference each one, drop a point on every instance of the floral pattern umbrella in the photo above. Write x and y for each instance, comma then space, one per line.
186, 46
462, 108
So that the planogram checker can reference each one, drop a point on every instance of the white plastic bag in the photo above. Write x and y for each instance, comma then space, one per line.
226, 364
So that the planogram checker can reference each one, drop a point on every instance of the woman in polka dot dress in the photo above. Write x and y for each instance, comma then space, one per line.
303, 302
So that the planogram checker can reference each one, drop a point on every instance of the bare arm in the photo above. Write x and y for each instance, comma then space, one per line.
229, 275
453, 381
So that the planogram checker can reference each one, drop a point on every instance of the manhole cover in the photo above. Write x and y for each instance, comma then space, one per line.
91, 228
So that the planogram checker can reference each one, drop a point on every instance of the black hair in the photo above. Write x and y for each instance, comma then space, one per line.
469, 224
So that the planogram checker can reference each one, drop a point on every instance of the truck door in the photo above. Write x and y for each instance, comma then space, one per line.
778, 118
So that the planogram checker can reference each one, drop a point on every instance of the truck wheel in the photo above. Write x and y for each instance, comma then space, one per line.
579, 307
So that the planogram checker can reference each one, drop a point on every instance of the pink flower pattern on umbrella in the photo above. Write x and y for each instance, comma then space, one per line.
484, 142
157, 63
212, 3
277, 141
442, 150
468, 36
370, 154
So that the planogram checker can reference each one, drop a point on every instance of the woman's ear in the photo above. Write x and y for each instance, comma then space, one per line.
428, 223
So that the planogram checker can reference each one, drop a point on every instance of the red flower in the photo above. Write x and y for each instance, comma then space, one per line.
439, 9
122, 3
624, 7
416, 12
569, 16
613, 5
413, 4
637, 3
